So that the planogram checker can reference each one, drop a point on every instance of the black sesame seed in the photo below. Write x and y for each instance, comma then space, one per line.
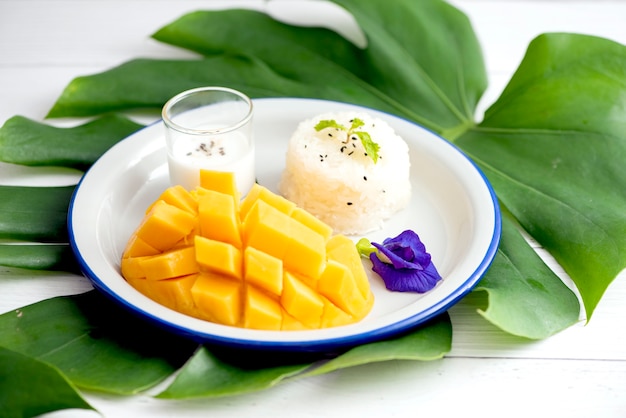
349, 203
365, 178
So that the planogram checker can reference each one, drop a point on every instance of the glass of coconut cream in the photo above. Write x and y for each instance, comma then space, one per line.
209, 128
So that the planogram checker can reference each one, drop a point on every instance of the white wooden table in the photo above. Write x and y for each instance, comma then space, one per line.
580, 372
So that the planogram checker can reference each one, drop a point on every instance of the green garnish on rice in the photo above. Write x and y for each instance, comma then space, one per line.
371, 147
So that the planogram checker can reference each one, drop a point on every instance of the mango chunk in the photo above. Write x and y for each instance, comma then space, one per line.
174, 263
267, 229
261, 311
342, 249
219, 257
306, 251
218, 217
131, 268
141, 284
263, 270
164, 225
220, 181
173, 293
309, 220
292, 324
259, 263
337, 284
181, 198
136, 247
302, 302
258, 192
333, 316
217, 298
276, 233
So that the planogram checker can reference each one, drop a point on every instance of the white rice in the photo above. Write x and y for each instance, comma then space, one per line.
346, 189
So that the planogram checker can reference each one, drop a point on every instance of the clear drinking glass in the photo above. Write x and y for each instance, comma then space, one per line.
211, 128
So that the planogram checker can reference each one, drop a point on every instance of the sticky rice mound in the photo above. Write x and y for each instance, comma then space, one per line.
332, 176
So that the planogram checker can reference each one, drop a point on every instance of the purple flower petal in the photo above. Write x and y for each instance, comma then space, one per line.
410, 268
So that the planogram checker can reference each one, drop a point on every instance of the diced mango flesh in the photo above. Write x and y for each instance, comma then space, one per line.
258, 263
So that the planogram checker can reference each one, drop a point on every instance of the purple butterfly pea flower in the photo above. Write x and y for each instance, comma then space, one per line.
404, 265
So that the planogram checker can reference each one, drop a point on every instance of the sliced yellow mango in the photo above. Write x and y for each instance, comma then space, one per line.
261, 311
218, 217
310, 221
219, 257
342, 249
333, 316
174, 263
263, 270
217, 298
337, 284
292, 324
258, 192
136, 247
181, 198
174, 293
164, 225
220, 181
131, 268
301, 302
140, 284
259, 263
306, 251
267, 229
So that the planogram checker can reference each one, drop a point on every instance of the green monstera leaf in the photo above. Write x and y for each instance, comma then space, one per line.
553, 147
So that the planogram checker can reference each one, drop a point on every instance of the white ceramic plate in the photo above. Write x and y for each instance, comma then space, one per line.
453, 209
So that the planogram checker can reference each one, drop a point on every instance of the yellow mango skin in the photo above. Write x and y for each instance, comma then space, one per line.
259, 263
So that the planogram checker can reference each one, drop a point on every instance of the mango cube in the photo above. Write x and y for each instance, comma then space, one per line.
174, 263
261, 311
164, 225
174, 293
217, 298
259, 263
220, 181
218, 217
302, 302
219, 257
263, 270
